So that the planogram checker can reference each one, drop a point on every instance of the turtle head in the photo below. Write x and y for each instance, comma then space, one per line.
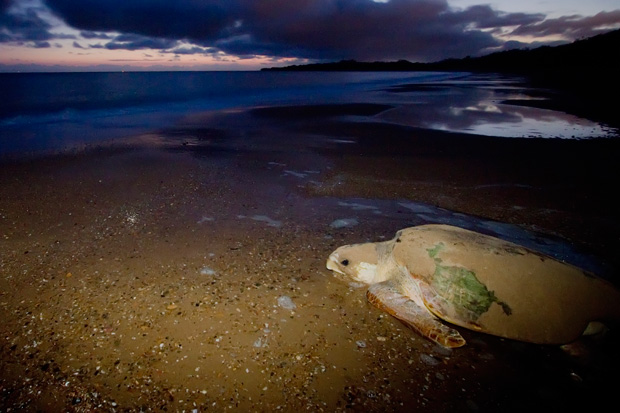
357, 261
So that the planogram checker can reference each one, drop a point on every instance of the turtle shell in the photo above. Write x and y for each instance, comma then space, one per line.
497, 287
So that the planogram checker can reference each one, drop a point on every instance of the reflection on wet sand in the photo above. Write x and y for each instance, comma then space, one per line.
490, 111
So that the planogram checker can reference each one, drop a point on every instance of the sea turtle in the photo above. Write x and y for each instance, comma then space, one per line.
478, 282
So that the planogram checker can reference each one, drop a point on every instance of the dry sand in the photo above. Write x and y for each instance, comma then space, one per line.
186, 271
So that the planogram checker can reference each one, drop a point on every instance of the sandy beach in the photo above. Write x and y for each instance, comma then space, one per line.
184, 269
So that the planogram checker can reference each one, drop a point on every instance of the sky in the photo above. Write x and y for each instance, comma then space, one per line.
96, 35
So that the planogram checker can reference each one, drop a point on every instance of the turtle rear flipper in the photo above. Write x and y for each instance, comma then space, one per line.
386, 297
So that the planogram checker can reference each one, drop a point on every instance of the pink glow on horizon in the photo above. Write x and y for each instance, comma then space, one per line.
70, 57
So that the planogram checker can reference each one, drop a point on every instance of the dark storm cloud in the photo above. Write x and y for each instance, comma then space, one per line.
357, 29
4, 4
196, 19
23, 26
320, 29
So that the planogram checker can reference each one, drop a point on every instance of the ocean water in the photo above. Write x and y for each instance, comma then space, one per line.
55, 111
49, 112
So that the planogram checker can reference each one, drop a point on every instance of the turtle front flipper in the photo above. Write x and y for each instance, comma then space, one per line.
387, 297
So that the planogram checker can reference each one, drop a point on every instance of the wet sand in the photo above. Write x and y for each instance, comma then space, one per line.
185, 269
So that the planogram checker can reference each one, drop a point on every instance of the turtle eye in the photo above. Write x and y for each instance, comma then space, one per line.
344, 262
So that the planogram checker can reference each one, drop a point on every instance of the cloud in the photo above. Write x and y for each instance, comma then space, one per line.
138, 42
93, 35
23, 25
418, 30
317, 29
572, 27
186, 50
154, 18
4, 4
354, 29
485, 17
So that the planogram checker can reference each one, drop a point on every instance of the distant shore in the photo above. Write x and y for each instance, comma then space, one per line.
583, 71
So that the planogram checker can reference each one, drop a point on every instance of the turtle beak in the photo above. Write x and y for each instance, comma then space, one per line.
333, 263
